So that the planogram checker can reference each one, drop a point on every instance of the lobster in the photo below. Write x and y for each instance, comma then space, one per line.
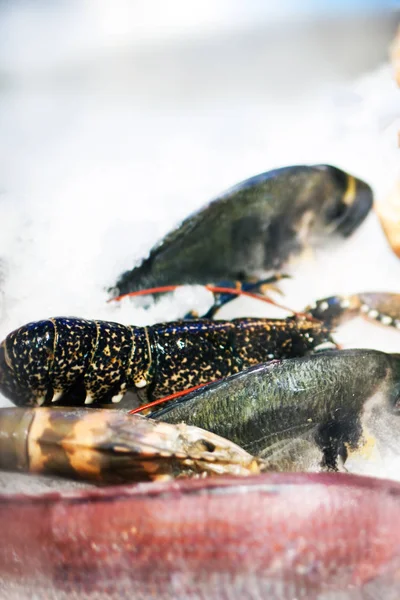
76, 361
73, 361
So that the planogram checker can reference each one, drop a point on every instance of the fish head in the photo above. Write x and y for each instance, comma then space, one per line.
344, 201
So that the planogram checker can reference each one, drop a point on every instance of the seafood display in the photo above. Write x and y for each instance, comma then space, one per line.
269, 397
256, 226
276, 536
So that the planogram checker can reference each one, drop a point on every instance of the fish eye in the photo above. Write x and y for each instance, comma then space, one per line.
335, 212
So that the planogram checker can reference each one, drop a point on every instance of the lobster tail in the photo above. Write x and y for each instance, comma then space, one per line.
72, 360
26, 358
42, 361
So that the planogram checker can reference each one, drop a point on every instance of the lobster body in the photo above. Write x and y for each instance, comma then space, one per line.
78, 361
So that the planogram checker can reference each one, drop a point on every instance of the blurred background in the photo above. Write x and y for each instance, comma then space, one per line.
120, 117
191, 52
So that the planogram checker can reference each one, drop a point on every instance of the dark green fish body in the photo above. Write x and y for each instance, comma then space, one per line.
256, 226
283, 409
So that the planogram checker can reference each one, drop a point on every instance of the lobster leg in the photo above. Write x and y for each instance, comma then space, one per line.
223, 292
223, 296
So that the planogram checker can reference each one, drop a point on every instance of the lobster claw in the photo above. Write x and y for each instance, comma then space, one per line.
383, 307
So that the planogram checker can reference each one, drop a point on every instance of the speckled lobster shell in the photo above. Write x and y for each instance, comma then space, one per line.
275, 536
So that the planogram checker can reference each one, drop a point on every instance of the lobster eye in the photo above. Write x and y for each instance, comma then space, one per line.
209, 447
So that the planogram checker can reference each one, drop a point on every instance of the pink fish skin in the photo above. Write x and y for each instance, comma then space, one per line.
272, 536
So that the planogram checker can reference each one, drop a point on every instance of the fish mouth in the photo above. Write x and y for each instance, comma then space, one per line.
357, 208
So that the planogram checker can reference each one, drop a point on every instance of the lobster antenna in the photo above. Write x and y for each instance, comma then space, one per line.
216, 290
211, 288
167, 398
146, 292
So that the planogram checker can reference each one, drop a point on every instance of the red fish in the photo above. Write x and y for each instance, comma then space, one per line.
271, 536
